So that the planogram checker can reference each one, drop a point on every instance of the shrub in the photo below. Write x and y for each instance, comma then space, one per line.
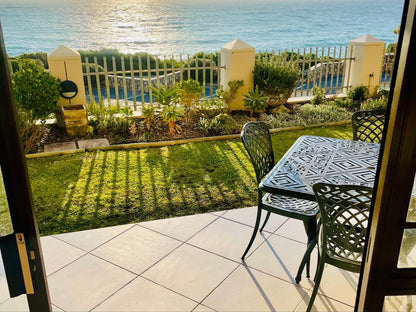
230, 94
149, 114
165, 96
307, 114
343, 103
357, 95
31, 133
171, 114
311, 114
276, 77
376, 103
220, 124
255, 101
106, 119
41, 58
212, 107
319, 95
282, 120
35, 91
189, 91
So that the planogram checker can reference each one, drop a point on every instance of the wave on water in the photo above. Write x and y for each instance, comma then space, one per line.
185, 27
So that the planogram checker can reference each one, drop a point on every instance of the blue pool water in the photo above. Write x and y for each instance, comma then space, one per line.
146, 96
189, 26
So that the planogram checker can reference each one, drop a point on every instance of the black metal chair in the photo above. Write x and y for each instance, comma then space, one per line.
367, 126
256, 139
344, 215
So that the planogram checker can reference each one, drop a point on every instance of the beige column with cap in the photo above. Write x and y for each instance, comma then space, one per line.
365, 67
237, 63
65, 64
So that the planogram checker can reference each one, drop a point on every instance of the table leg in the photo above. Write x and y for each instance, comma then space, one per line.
311, 231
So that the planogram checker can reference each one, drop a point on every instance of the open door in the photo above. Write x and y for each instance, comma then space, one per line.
389, 270
20, 249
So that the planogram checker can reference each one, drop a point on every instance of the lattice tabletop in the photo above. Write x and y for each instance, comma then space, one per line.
314, 159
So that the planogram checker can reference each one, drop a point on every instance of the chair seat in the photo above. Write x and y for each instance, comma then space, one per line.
301, 207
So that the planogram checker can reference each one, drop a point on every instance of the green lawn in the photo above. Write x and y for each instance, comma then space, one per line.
104, 188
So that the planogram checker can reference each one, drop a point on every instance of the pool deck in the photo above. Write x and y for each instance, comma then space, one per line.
189, 263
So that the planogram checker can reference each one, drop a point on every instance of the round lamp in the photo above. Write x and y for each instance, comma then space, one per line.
68, 89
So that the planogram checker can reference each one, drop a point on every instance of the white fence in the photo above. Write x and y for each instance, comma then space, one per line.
124, 86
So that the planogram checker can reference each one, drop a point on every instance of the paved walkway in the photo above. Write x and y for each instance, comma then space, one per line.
190, 263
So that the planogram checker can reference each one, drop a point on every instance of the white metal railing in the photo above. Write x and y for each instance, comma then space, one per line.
387, 70
324, 67
111, 82
124, 81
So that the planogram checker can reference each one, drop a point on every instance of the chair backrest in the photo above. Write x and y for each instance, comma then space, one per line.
344, 213
367, 126
256, 140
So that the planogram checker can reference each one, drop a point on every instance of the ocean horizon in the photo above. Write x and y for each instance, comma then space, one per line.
171, 27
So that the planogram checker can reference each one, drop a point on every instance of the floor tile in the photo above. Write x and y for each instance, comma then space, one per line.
57, 254
218, 213
144, 295
136, 249
19, 304
56, 309
191, 271
226, 238
323, 304
339, 284
180, 228
248, 217
56, 147
85, 283
249, 290
15, 304
4, 289
202, 308
90, 239
293, 229
281, 257
400, 304
82, 144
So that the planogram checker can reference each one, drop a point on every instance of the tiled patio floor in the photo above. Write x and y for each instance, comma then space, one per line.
189, 263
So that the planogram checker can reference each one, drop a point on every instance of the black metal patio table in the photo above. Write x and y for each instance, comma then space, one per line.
313, 159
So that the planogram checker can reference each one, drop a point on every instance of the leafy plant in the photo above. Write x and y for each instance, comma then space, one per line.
107, 120
255, 101
319, 95
376, 103
357, 95
220, 124
165, 96
171, 114
212, 107
35, 91
31, 133
311, 114
276, 77
229, 95
189, 92
307, 114
149, 114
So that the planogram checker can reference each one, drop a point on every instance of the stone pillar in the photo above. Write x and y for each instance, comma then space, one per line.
237, 62
365, 68
65, 64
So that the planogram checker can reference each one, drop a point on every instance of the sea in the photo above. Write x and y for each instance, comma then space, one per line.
172, 27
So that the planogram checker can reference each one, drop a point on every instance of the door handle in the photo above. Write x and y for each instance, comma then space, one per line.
16, 264
24, 263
